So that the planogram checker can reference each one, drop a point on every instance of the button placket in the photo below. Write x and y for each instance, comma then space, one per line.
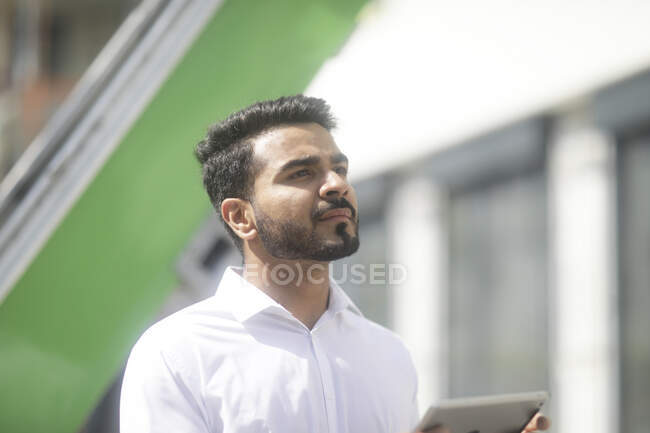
327, 383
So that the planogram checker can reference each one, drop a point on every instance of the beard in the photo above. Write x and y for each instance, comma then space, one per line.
291, 241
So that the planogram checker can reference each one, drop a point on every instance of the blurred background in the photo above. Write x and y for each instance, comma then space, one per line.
500, 151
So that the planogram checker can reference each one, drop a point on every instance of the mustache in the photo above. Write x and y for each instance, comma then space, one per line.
337, 203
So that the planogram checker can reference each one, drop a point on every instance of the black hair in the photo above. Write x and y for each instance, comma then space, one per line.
226, 153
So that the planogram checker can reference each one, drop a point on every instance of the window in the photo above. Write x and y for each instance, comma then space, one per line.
498, 287
634, 291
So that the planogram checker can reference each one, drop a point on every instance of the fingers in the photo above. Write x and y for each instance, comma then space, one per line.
437, 429
543, 423
539, 422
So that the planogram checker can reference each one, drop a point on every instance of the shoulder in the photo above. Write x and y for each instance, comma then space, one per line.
382, 340
375, 330
208, 313
164, 371
178, 338
384, 348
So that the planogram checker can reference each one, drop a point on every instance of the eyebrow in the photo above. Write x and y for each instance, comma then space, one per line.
312, 160
339, 157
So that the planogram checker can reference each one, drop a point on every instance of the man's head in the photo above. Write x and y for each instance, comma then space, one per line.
279, 182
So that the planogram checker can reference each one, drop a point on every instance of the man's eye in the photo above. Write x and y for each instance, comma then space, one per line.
300, 173
343, 171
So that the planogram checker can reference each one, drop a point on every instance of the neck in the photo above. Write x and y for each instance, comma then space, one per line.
302, 287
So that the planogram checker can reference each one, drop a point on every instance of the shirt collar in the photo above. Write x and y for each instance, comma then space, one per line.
245, 300
340, 301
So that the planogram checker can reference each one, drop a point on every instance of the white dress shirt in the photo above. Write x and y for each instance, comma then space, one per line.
240, 362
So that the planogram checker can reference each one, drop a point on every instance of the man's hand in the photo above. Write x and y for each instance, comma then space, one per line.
438, 429
538, 423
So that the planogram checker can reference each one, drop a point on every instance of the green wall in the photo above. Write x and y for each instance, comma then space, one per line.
68, 324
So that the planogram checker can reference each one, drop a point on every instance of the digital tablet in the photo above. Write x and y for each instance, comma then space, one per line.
507, 413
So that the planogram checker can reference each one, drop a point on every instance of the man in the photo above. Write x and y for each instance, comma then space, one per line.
279, 347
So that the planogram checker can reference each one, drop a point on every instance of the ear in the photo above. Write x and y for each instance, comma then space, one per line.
238, 214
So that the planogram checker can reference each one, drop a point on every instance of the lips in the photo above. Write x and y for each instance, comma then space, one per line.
336, 214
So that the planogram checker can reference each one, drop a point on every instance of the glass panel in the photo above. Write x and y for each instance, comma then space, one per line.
498, 287
45, 47
634, 268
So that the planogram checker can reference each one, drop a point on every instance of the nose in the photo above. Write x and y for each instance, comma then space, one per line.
335, 185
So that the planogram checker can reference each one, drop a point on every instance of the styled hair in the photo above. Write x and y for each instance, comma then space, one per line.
226, 152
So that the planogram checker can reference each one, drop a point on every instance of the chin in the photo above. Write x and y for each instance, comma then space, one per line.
344, 248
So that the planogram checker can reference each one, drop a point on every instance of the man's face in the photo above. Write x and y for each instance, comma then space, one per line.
304, 207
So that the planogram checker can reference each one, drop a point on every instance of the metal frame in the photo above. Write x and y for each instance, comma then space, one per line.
58, 166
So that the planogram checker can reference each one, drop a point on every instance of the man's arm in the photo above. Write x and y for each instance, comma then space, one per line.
154, 397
